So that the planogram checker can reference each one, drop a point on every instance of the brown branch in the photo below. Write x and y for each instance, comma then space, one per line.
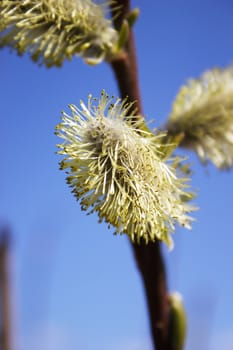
148, 257
125, 66
120, 9
5, 293
127, 80
151, 266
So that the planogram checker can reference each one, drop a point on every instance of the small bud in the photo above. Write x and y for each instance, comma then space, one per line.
123, 36
177, 321
133, 16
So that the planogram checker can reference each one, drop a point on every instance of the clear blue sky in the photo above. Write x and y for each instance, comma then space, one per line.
75, 285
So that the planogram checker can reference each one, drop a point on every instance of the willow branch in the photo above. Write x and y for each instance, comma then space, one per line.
4, 289
125, 66
148, 256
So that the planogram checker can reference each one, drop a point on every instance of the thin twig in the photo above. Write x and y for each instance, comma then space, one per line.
151, 266
148, 256
125, 66
4, 290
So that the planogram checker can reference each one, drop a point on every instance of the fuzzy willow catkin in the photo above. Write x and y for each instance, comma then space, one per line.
55, 30
203, 113
119, 171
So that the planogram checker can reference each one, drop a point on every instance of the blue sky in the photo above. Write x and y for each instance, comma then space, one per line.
74, 284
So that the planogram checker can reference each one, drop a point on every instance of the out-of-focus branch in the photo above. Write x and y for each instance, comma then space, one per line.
148, 256
4, 292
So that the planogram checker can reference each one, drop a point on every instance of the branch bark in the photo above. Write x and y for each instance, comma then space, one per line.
148, 256
4, 289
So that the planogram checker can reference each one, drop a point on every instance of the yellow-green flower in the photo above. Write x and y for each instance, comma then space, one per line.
203, 113
54, 30
119, 171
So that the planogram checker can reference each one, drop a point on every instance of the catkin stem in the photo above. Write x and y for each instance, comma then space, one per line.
148, 256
